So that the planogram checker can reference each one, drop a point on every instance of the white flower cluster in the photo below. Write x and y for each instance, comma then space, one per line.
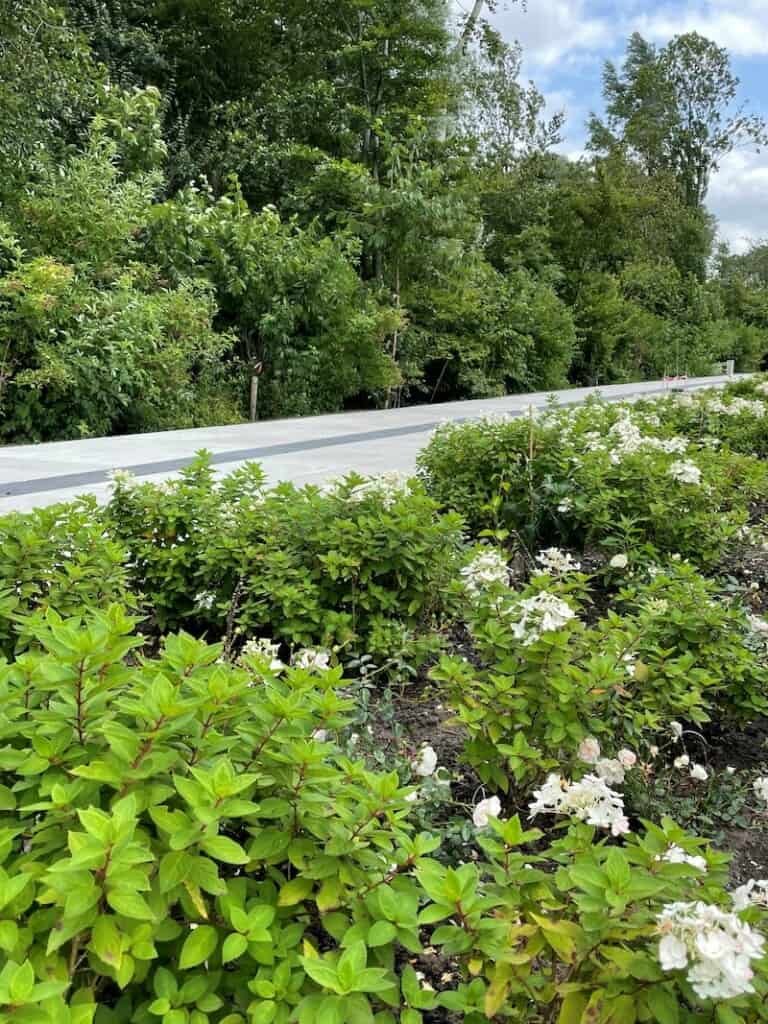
312, 659
677, 855
122, 478
626, 438
534, 616
760, 786
590, 799
486, 569
753, 893
265, 650
736, 406
762, 388
715, 947
205, 600
685, 472
387, 487
555, 562
610, 769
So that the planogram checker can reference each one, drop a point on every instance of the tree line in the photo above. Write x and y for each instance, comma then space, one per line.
362, 202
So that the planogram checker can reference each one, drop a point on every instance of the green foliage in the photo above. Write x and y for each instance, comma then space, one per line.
366, 564
179, 843
597, 475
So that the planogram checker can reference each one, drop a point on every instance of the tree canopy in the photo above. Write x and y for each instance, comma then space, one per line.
363, 201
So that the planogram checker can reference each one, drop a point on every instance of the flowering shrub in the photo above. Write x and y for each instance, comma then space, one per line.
597, 474
183, 840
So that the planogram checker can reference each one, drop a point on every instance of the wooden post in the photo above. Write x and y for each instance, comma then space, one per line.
254, 404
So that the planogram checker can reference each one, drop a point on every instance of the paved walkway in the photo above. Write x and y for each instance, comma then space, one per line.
312, 449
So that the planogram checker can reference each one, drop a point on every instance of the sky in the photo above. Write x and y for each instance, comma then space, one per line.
566, 42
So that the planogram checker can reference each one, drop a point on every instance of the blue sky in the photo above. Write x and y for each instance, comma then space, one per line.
566, 42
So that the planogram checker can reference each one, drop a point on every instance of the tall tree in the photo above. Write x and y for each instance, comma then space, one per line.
675, 110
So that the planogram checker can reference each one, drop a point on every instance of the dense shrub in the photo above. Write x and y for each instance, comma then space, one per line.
364, 565
183, 841
599, 475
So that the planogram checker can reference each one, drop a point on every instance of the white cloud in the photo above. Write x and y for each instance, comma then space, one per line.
739, 25
553, 31
737, 198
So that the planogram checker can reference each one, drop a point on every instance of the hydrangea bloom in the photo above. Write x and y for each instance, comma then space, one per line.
426, 762
685, 472
387, 487
486, 569
590, 800
619, 562
312, 659
122, 478
677, 855
753, 893
264, 649
716, 948
555, 562
534, 616
485, 810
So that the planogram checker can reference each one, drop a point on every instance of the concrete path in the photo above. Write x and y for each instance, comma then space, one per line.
308, 450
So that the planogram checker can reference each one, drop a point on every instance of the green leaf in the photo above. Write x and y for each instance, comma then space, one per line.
22, 983
224, 849
663, 1005
106, 941
234, 946
198, 946
129, 904
381, 933
322, 972
294, 892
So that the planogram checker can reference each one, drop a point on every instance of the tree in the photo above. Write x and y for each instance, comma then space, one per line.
673, 109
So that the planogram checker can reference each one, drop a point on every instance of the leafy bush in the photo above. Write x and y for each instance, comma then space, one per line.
61, 558
367, 565
598, 475
181, 841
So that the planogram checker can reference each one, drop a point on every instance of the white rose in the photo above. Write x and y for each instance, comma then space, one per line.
485, 810
628, 758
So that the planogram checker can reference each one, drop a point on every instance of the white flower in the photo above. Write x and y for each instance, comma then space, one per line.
682, 762
321, 735
730, 770
122, 478
589, 750
752, 893
677, 730
673, 954
555, 562
610, 769
485, 810
760, 786
412, 797
619, 562
677, 855
264, 649
205, 600
426, 762
653, 750
699, 772
685, 472
715, 947
534, 616
487, 569
589, 800
387, 487
627, 758
312, 659
565, 505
